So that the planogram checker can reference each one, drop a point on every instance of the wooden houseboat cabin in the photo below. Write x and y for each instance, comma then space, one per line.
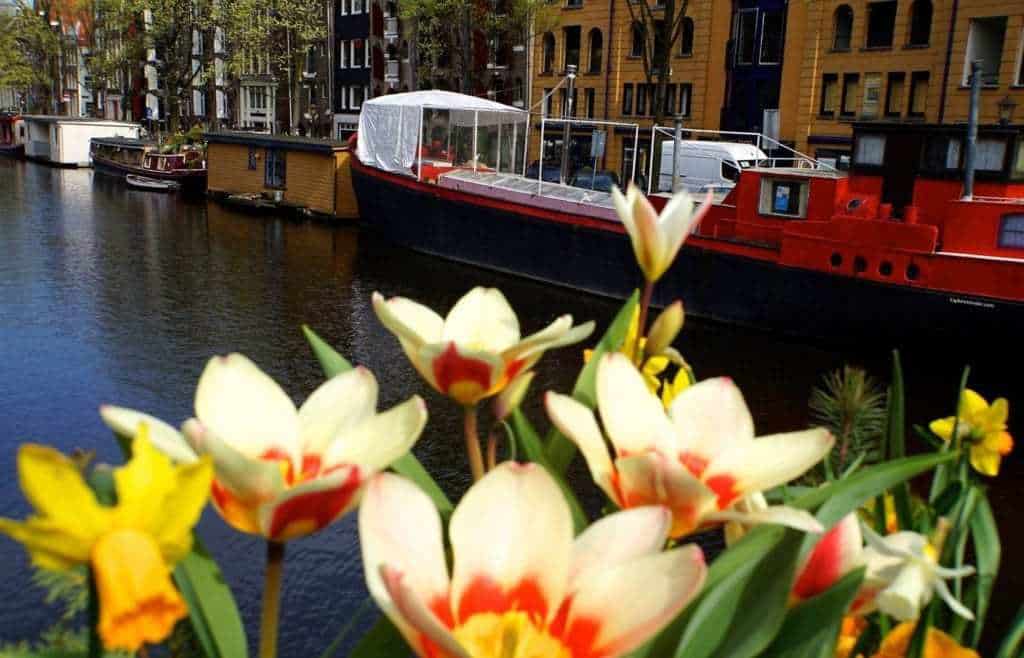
64, 141
292, 172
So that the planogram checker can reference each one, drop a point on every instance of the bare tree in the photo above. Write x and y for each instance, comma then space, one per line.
661, 27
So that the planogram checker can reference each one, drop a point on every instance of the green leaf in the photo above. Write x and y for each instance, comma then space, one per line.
101, 481
896, 441
812, 627
560, 449
406, 465
529, 443
346, 628
918, 640
410, 467
331, 362
942, 473
713, 615
211, 607
987, 555
946, 500
382, 641
1013, 643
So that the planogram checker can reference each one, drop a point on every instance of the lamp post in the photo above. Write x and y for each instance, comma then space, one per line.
1006, 107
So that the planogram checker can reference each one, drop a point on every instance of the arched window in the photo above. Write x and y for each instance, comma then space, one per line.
596, 48
686, 37
638, 41
842, 28
548, 58
920, 23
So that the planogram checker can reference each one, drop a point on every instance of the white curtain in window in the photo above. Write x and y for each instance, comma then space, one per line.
870, 149
991, 153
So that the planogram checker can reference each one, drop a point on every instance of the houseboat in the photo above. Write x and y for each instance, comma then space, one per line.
890, 251
276, 172
64, 141
12, 135
142, 159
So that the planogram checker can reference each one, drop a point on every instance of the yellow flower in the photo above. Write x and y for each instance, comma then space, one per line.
131, 546
937, 644
849, 634
983, 426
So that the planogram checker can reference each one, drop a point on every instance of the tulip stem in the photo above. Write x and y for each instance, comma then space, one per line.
492, 450
476, 459
645, 305
271, 599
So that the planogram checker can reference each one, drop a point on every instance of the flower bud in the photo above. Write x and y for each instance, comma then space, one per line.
512, 396
665, 329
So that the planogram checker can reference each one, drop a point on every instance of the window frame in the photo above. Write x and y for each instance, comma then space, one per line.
1001, 238
685, 99
753, 37
547, 55
590, 50
627, 99
869, 9
638, 37
275, 169
686, 44
917, 77
911, 23
782, 39
901, 76
855, 78
766, 197
969, 55
826, 78
835, 28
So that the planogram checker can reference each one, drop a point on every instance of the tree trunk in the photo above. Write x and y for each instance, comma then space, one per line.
467, 49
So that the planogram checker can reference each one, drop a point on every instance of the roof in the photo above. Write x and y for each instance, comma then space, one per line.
49, 118
443, 100
287, 142
124, 142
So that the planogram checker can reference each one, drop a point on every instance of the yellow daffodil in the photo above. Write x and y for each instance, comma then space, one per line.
937, 644
520, 585
849, 633
983, 426
131, 546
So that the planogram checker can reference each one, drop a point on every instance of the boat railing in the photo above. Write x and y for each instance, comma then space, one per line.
1012, 201
596, 153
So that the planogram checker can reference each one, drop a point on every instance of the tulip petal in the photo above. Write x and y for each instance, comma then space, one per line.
125, 423
399, 528
710, 417
340, 403
654, 479
311, 505
482, 321
627, 604
410, 612
769, 461
633, 416
790, 517
833, 556
540, 339
381, 438
243, 406
250, 480
617, 539
512, 540
461, 373
678, 219
412, 322
578, 424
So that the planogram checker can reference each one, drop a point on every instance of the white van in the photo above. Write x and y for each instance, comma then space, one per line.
704, 166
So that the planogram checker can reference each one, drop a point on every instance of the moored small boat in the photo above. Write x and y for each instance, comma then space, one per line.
151, 184
141, 158
12, 135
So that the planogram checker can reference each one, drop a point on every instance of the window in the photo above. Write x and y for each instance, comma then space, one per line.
343, 54
685, 91
252, 158
894, 94
637, 49
627, 99
851, 82
596, 48
641, 100
918, 93
1019, 78
344, 7
991, 154
358, 53
355, 97
746, 26
941, 154
574, 4
274, 169
881, 24
1011, 232
870, 150
660, 34
357, 6
670, 99
548, 56
872, 95
783, 197
842, 28
985, 42
686, 37
572, 45
1018, 163
588, 96
920, 23
772, 26
548, 96
829, 95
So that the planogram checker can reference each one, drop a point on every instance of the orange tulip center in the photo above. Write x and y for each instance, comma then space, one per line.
508, 635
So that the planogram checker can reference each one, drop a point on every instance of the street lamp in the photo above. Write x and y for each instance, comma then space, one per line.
1006, 107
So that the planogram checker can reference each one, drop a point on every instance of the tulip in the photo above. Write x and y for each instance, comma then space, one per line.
280, 472
836, 553
477, 349
131, 547
903, 568
657, 238
983, 426
937, 644
699, 460
665, 328
520, 586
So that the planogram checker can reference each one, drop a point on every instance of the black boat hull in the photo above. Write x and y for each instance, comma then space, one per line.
189, 183
720, 286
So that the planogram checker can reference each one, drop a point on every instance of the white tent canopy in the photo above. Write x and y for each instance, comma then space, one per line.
391, 126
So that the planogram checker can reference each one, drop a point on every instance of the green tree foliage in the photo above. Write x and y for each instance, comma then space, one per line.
26, 46
851, 405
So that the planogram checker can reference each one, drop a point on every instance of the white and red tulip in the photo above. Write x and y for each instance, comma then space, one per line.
657, 238
699, 460
520, 586
283, 472
836, 553
477, 350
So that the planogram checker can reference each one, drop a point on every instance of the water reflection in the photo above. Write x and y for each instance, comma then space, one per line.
111, 294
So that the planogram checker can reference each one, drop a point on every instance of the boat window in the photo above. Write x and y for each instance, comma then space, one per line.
783, 197
991, 154
870, 149
730, 171
274, 169
1011, 231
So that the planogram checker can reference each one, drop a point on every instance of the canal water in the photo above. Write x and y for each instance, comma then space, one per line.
115, 295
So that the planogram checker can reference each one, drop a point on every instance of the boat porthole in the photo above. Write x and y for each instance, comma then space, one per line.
859, 264
913, 271
885, 268
837, 259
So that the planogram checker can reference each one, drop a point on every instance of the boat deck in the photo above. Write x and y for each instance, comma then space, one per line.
531, 192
